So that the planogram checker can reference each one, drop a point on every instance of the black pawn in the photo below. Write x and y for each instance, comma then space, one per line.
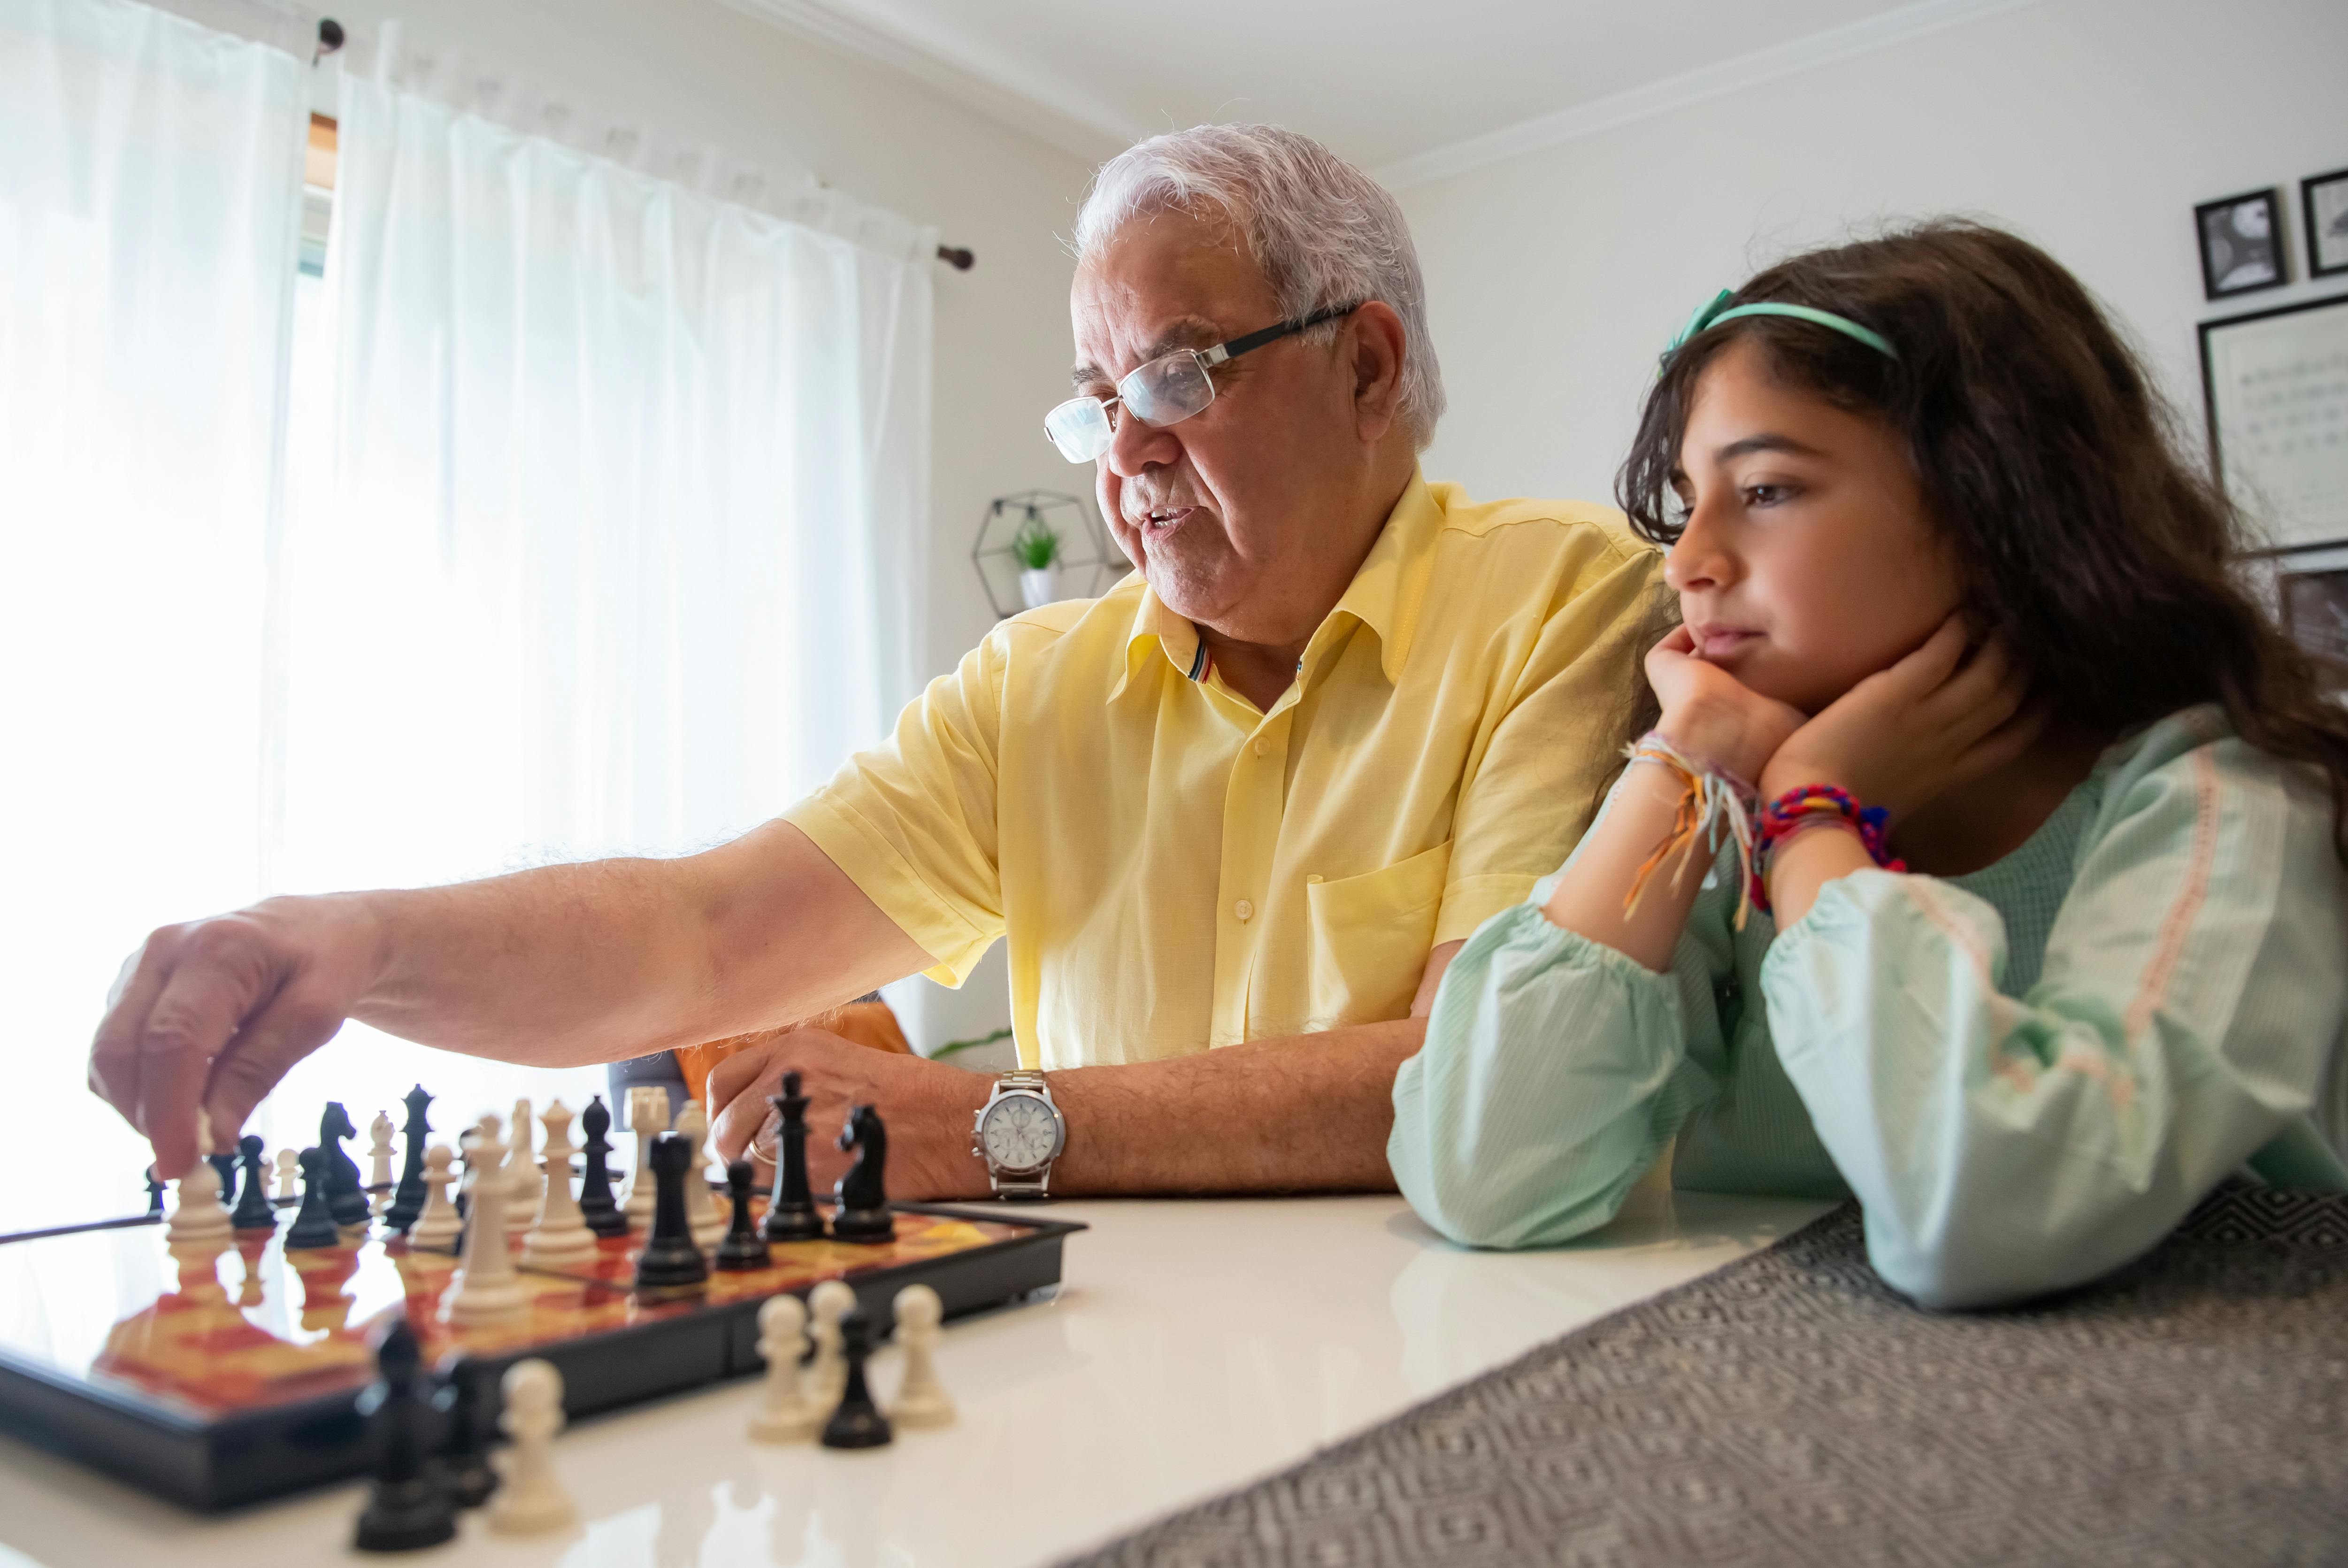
742, 1247
408, 1197
314, 1222
154, 1194
597, 1206
226, 1165
470, 1479
858, 1423
345, 1197
252, 1210
790, 1208
669, 1257
410, 1506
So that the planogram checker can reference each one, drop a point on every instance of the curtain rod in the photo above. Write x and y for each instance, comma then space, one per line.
961, 258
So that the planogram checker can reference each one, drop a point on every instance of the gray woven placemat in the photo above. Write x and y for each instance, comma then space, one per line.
1789, 1409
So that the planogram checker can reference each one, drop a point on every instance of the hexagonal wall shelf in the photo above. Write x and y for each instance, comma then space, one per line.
1088, 560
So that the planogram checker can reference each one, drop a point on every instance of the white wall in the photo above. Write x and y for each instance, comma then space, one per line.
699, 71
2092, 127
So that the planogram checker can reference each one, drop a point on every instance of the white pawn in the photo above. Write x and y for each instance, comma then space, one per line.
199, 1218
533, 1499
921, 1399
439, 1223
379, 1134
701, 1215
787, 1413
486, 1285
289, 1174
561, 1234
827, 1305
647, 1119
523, 1179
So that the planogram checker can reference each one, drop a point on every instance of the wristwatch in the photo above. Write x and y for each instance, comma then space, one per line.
1019, 1133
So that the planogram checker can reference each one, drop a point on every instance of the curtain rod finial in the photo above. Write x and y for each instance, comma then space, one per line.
330, 38
957, 257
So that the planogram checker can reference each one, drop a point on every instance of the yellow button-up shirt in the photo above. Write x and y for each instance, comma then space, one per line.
1176, 870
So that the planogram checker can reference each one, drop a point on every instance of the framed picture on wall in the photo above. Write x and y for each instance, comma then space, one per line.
2324, 203
2313, 588
2276, 384
2242, 243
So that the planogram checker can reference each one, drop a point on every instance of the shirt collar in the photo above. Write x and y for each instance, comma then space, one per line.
1384, 596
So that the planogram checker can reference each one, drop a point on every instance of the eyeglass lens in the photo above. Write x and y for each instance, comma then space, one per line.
1163, 392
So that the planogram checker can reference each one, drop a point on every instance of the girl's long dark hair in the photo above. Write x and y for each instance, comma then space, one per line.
2107, 564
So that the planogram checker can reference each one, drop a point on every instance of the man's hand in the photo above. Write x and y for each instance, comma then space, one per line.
214, 1012
928, 1106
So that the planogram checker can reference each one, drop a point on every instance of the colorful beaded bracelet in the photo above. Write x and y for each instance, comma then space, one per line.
1810, 806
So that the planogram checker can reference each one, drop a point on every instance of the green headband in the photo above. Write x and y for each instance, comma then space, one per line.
1714, 313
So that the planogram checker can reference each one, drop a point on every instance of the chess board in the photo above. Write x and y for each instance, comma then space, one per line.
229, 1374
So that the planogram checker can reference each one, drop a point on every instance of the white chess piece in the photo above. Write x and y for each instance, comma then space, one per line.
560, 1234
826, 1304
522, 1181
379, 1135
289, 1174
787, 1413
647, 1119
533, 1499
701, 1213
439, 1223
486, 1285
921, 1399
197, 1218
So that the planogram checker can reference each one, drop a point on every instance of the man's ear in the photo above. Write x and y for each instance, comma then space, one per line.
1378, 350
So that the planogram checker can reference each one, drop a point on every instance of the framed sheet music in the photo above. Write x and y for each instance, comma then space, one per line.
2276, 384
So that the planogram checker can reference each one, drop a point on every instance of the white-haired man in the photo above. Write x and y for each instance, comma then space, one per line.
1233, 817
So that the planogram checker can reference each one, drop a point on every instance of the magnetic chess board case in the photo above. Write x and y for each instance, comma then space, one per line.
227, 1376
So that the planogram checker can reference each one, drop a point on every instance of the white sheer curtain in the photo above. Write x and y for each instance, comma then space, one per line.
150, 187
619, 547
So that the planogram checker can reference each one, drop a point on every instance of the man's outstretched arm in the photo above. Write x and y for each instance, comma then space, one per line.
554, 967
1306, 1113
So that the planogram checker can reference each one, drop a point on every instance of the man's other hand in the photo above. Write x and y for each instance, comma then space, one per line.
928, 1107
214, 1012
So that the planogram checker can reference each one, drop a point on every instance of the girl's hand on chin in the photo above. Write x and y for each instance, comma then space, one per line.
1710, 714
1905, 735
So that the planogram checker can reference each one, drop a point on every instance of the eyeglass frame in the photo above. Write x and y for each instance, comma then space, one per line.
1208, 358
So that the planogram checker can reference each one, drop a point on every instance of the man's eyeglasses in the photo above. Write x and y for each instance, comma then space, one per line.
1163, 392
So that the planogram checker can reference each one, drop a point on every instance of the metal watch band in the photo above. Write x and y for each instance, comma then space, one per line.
1022, 1185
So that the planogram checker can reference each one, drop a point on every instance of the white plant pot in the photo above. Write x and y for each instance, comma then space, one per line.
1039, 585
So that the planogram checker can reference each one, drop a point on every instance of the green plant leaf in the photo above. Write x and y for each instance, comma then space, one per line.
950, 1047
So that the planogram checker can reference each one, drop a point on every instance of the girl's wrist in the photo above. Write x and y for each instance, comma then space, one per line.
1717, 743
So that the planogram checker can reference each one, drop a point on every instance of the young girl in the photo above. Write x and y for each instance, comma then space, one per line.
2049, 931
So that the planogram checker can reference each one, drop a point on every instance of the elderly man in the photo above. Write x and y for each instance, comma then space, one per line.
1233, 818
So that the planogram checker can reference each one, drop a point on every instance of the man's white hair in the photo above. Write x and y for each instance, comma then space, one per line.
1324, 232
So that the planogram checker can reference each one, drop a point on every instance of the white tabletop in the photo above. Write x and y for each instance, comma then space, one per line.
1193, 1346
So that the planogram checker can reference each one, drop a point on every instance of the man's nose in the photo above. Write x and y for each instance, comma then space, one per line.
1136, 448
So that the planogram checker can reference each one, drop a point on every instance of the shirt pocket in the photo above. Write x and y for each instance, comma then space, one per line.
1370, 936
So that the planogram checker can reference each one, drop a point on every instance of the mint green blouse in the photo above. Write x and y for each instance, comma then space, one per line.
2027, 1074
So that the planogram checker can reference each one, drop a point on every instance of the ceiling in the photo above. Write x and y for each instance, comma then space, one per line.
1409, 89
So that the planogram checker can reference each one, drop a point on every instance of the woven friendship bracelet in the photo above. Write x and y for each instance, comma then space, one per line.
1812, 805
1712, 802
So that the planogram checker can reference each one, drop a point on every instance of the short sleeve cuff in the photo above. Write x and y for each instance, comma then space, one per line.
889, 881
1472, 901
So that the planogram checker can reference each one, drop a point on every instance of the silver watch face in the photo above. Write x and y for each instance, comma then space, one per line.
1020, 1132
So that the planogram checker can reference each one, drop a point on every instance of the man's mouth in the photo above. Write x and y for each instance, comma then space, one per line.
1159, 521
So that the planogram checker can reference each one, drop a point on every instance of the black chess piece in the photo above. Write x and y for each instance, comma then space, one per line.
408, 1197
225, 1166
252, 1210
409, 1505
467, 1458
345, 1197
154, 1194
597, 1205
314, 1222
858, 1423
669, 1257
790, 1208
744, 1247
863, 1212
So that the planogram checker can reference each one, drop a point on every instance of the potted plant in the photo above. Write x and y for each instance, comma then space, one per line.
1036, 548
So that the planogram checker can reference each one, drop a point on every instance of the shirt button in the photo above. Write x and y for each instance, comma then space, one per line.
1244, 909
1260, 746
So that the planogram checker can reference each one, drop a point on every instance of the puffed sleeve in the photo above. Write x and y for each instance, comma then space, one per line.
2188, 1016
1555, 1071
